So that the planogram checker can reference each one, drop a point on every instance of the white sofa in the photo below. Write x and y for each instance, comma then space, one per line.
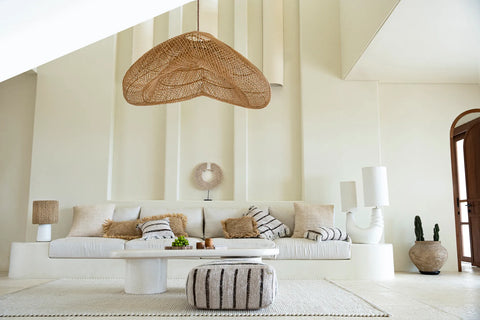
298, 258
205, 222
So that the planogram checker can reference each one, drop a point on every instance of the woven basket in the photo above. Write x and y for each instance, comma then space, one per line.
195, 64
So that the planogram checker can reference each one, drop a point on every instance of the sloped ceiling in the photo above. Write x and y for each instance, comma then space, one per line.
35, 32
434, 41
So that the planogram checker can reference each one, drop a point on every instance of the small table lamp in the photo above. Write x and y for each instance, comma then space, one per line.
45, 212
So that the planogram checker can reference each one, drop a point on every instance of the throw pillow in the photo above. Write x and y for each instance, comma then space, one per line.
178, 222
326, 234
126, 214
269, 227
308, 216
156, 229
88, 220
121, 229
244, 227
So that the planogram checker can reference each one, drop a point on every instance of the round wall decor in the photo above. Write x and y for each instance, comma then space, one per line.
207, 175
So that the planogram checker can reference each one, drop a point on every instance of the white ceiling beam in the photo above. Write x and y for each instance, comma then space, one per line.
35, 32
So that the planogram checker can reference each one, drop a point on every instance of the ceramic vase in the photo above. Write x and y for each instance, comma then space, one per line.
428, 256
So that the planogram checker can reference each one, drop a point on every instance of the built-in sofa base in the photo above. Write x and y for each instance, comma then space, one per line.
368, 261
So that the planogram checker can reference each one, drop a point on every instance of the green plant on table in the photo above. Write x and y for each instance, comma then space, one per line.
181, 241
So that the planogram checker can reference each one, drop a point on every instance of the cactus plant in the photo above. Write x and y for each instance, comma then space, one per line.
436, 229
418, 229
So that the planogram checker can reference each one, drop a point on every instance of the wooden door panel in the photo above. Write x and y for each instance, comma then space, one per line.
472, 171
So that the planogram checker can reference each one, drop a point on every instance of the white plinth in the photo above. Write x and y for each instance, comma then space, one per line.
146, 276
44, 232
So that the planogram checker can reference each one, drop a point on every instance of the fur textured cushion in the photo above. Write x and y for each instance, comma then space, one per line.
121, 229
308, 216
244, 227
178, 222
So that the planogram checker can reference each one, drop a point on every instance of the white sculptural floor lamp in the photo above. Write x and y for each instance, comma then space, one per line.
375, 190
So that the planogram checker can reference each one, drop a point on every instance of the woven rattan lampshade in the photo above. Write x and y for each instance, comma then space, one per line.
195, 64
45, 212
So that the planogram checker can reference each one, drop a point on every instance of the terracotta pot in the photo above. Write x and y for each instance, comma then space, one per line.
428, 256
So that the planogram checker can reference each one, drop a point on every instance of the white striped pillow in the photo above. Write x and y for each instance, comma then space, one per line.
326, 234
156, 229
269, 227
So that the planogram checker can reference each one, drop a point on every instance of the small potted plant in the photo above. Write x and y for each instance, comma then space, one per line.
428, 256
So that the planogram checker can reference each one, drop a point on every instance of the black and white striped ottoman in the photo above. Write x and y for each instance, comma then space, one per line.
231, 284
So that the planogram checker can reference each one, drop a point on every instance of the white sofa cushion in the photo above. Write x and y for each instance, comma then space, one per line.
305, 249
286, 214
194, 218
244, 243
126, 213
156, 243
84, 247
214, 217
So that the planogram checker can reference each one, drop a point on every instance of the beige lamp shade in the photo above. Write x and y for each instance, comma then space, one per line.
195, 64
45, 212
348, 195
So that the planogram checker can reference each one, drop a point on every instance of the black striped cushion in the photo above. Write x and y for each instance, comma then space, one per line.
156, 229
231, 284
269, 227
326, 233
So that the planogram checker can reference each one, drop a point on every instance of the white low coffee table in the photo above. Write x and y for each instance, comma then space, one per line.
146, 269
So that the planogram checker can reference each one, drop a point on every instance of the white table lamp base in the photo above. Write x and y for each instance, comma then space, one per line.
44, 232
371, 234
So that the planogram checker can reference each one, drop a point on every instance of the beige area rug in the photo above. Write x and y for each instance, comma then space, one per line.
102, 297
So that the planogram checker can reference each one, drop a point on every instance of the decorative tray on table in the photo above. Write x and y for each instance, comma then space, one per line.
179, 248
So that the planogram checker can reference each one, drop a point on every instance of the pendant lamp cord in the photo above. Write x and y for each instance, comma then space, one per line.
198, 15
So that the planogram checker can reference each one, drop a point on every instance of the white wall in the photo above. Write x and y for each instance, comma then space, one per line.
72, 129
339, 118
360, 21
17, 105
139, 137
415, 127
317, 131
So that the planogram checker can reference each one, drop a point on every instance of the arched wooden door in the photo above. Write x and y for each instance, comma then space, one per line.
471, 148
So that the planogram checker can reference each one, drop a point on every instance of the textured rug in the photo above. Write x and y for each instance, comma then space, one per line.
107, 298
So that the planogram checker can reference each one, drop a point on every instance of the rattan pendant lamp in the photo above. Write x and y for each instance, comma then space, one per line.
195, 64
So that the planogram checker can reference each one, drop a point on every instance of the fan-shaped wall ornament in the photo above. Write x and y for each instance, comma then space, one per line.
195, 64
215, 179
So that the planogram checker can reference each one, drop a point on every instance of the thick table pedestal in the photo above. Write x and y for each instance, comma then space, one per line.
146, 276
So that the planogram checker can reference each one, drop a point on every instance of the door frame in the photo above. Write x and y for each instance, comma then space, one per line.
454, 134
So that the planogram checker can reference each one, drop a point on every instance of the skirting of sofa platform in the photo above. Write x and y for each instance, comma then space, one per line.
368, 261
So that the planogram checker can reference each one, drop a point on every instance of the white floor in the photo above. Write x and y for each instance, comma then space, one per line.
409, 296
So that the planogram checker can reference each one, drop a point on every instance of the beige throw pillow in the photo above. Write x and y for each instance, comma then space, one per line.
244, 227
309, 216
88, 220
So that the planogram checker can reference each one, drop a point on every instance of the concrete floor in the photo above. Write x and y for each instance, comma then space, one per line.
450, 295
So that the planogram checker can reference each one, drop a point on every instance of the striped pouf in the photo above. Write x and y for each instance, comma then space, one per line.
231, 284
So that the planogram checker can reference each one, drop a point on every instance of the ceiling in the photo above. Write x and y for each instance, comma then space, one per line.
35, 32
429, 41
